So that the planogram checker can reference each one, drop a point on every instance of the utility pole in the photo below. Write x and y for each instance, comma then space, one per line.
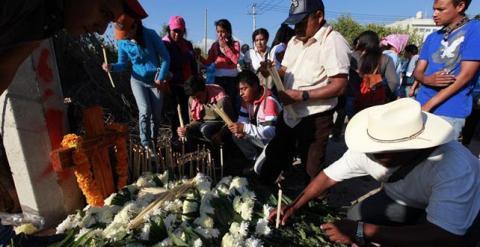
206, 31
254, 16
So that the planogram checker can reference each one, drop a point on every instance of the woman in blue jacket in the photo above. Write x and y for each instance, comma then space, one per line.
150, 61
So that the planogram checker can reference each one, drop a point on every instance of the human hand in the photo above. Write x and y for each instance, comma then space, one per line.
290, 96
341, 232
411, 92
236, 128
182, 132
162, 85
107, 67
439, 79
285, 213
222, 42
264, 66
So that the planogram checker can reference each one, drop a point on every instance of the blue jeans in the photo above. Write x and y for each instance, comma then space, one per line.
457, 124
149, 103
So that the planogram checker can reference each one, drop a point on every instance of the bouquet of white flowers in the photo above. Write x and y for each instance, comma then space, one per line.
156, 211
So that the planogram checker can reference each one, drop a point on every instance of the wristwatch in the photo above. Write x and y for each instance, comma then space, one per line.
305, 95
359, 237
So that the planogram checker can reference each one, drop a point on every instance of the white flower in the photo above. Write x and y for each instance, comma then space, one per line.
115, 231
238, 184
145, 233
145, 181
225, 181
108, 200
169, 221
230, 240
266, 211
165, 242
189, 206
197, 243
240, 230
262, 228
174, 207
253, 242
243, 231
202, 184
205, 206
70, 222
244, 206
164, 178
204, 221
207, 233
224, 189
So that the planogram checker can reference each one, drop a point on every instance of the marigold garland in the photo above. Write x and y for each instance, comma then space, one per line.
82, 170
121, 155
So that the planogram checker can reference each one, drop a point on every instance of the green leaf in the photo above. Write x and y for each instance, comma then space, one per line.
176, 240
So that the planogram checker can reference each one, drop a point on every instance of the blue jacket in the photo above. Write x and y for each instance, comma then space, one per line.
145, 61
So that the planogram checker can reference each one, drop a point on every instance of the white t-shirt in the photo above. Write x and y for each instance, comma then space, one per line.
310, 65
446, 184
254, 58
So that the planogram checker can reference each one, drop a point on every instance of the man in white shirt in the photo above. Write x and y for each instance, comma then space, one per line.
431, 192
315, 69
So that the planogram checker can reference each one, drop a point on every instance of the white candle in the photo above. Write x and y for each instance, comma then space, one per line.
106, 61
279, 208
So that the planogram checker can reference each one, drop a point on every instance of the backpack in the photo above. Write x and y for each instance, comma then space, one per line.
372, 91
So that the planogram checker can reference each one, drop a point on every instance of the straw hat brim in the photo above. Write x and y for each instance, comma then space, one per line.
436, 132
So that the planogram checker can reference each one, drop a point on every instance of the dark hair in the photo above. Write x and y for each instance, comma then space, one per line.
467, 3
225, 24
167, 31
248, 77
245, 46
193, 85
412, 49
368, 44
139, 34
283, 35
261, 31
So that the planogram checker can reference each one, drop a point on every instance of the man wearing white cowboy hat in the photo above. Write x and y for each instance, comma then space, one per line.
431, 192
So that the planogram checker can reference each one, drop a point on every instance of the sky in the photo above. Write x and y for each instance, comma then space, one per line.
271, 13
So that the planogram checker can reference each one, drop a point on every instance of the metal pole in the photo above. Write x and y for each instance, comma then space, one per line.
206, 32
254, 14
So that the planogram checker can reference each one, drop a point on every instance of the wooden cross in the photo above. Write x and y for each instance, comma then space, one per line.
98, 140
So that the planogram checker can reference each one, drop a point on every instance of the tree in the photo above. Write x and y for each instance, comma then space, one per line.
477, 17
350, 29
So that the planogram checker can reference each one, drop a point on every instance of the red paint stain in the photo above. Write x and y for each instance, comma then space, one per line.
44, 72
54, 120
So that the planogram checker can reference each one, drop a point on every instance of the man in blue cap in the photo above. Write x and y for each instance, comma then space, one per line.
315, 69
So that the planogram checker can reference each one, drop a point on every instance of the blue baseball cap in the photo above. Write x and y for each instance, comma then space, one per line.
299, 9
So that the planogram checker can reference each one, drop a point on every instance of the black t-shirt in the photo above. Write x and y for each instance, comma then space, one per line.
29, 20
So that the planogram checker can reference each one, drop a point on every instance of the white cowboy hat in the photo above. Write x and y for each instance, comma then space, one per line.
396, 126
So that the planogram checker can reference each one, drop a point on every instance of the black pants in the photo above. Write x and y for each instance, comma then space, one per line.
312, 137
379, 209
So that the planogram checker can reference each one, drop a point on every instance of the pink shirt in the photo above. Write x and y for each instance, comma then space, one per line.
226, 60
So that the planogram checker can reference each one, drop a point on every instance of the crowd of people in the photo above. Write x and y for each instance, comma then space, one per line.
406, 108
